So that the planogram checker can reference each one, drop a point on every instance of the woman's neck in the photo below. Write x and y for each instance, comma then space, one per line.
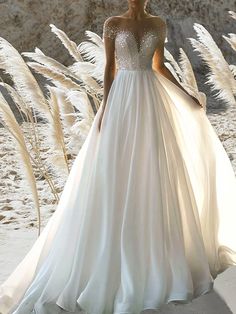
136, 13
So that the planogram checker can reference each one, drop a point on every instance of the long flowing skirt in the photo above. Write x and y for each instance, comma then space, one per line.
147, 215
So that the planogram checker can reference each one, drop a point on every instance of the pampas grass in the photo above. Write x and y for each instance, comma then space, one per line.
85, 117
73, 99
57, 78
232, 41
184, 74
93, 51
48, 62
69, 44
24, 81
220, 77
57, 133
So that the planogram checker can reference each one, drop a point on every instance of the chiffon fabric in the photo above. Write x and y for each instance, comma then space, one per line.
147, 215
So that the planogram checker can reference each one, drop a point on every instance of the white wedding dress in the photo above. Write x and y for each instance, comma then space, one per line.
148, 213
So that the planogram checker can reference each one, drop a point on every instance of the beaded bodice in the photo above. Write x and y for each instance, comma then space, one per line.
133, 53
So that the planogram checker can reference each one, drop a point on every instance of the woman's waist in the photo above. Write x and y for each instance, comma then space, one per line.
135, 64
134, 69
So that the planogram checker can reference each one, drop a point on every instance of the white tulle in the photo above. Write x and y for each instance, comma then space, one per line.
147, 215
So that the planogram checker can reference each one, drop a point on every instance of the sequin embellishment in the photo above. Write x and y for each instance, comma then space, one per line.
109, 31
130, 53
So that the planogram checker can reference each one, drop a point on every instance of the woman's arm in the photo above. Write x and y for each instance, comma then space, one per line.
158, 61
110, 65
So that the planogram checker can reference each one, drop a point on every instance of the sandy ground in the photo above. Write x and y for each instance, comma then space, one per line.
18, 220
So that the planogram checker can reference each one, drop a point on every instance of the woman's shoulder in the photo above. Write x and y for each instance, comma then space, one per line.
158, 19
110, 27
112, 20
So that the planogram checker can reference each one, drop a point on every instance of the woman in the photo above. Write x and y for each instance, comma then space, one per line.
136, 18
148, 212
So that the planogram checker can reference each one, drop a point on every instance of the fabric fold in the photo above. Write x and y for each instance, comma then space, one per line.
147, 213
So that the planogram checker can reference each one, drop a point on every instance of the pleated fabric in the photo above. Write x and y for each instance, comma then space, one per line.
146, 216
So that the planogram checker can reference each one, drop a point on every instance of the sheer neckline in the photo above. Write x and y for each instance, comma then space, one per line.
141, 39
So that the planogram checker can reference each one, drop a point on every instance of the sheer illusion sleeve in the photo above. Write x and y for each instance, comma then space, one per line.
109, 29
